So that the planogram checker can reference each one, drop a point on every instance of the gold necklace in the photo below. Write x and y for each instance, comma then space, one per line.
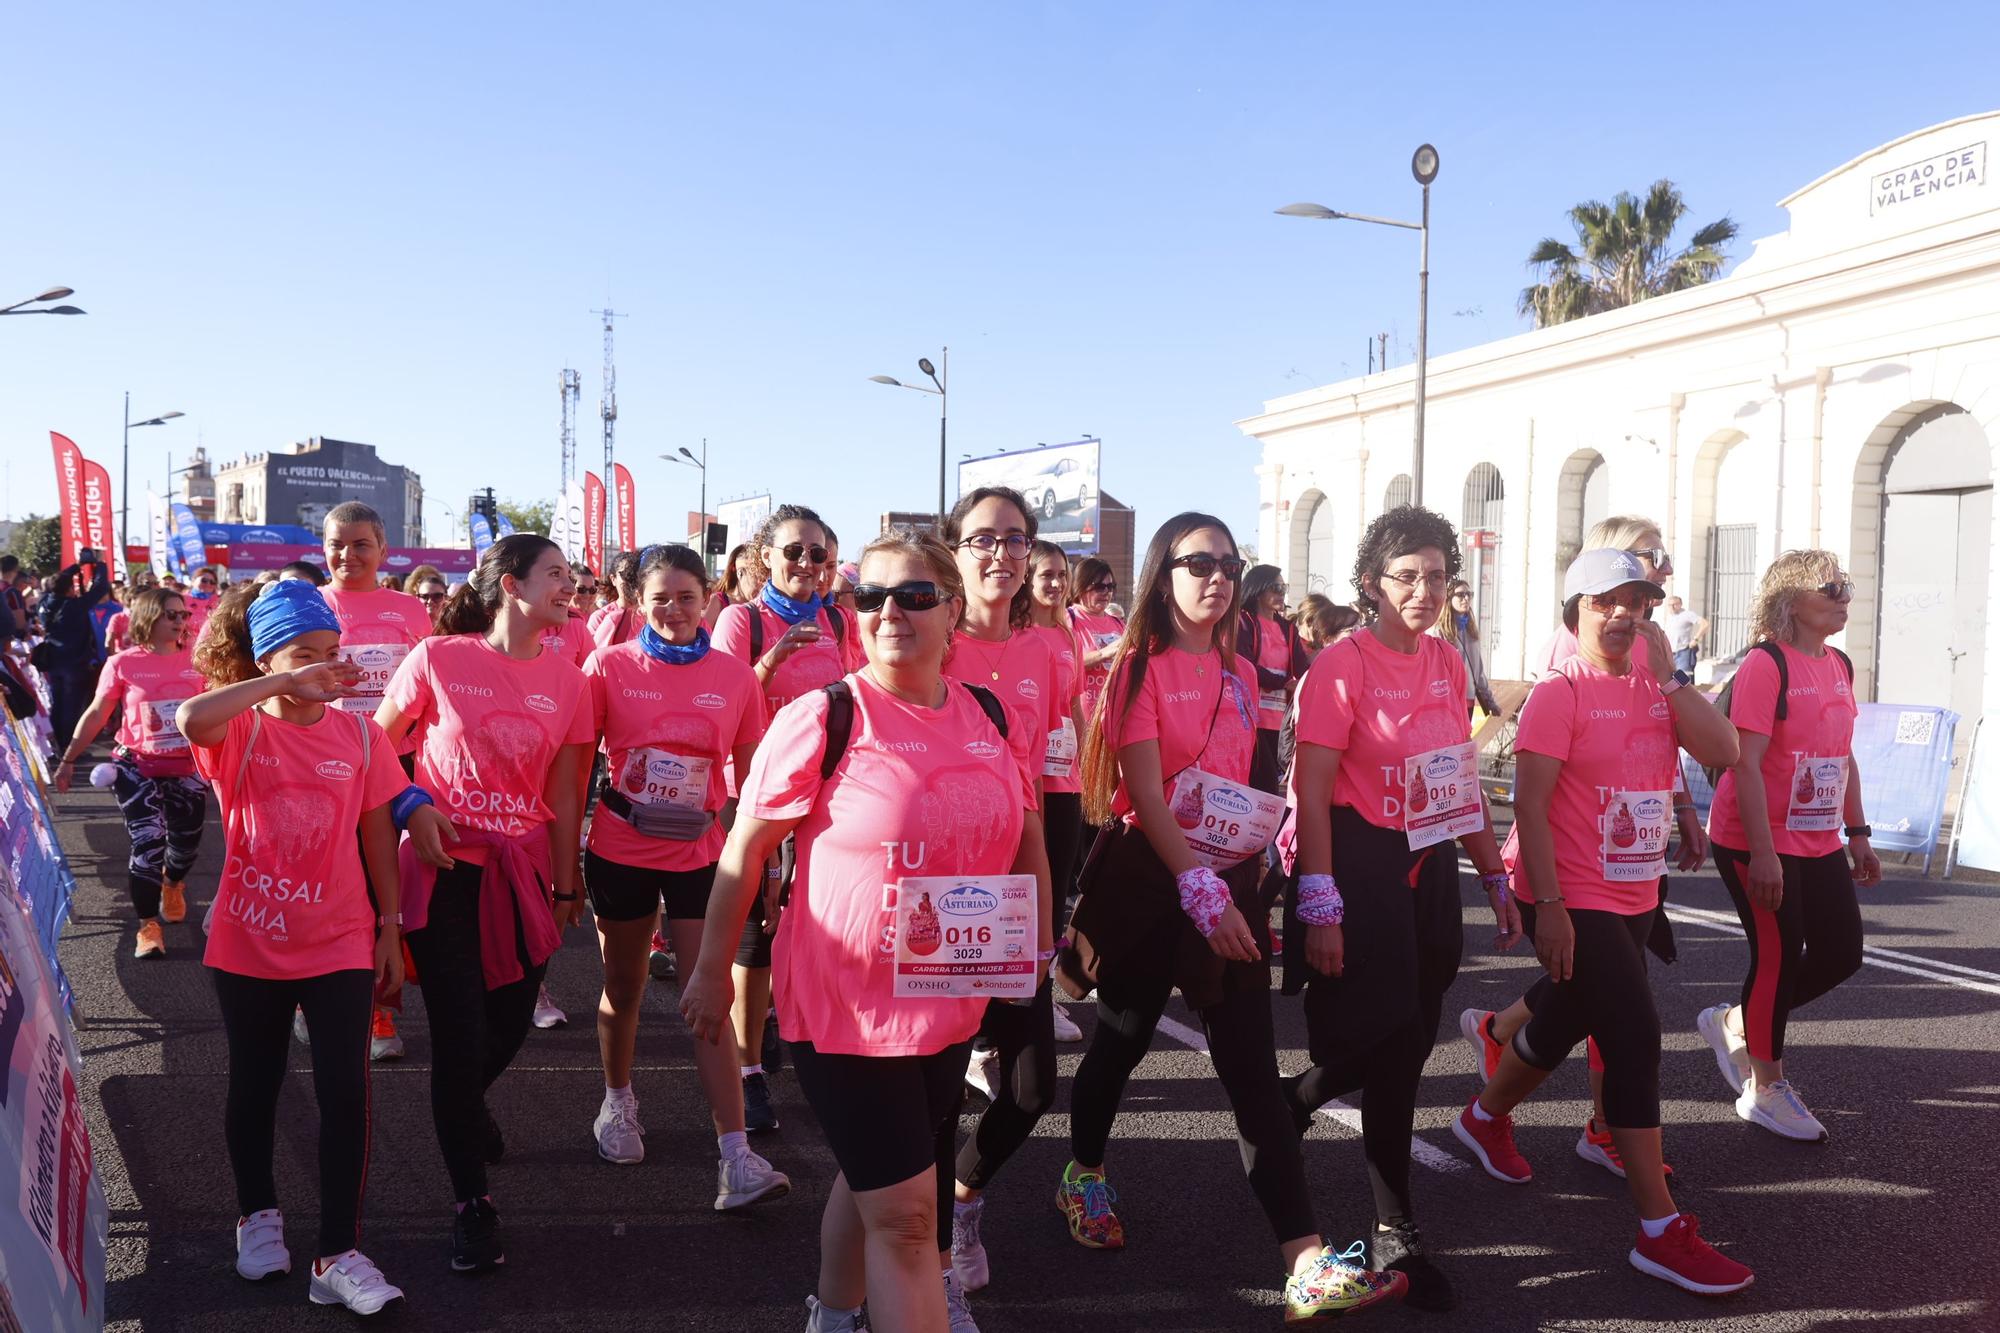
992, 666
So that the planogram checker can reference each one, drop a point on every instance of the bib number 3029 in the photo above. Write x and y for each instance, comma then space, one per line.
964, 936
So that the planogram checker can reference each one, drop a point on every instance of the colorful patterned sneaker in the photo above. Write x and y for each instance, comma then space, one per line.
1682, 1257
1597, 1147
1336, 1285
1732, 1055
354, 1281
1476, 1026
1778, 1108
1492, 1142
1085, 1198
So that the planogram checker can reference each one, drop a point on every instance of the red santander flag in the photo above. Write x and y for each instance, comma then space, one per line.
99, 522
627, 509
70, 467
593, 522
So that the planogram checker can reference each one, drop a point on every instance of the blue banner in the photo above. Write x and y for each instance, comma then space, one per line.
187, 538
30, 857
258, 534
482, 534
503, 523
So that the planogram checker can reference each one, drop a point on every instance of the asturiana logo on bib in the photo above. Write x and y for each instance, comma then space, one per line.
1229, 802
710, 701
1649, 809
1443, 766
334, 770
541, 703
967, 900
371, 657
982, 749
667, 770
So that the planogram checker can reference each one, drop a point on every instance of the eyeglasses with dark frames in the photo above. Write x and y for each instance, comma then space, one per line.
1015, 544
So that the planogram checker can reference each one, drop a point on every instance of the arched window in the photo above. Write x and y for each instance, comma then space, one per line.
1581, 502
1479, 537
1401, 490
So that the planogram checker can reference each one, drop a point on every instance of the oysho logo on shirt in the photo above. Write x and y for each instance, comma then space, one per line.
710, 701
982, 749
335, 770
1181, 696
474, 691
631, 693
1798, 690
265, 760
1380, 693
541, 703
1606, 714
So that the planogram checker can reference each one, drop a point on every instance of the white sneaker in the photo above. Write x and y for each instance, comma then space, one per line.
260, 1245
1732, 1054
1066, 1028
354, 1281
968, 1254
1778, 1109
982, 1072
823, 1319
299, 1032
618, 1131
546, 1013
746, 1179
954, 1304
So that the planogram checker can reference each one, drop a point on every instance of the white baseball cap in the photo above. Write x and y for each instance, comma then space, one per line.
1601, 571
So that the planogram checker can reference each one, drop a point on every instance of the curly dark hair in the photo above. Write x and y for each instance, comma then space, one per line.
1401, 531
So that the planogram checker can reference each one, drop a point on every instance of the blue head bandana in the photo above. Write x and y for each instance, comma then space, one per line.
790, 609
285, 610
657, 645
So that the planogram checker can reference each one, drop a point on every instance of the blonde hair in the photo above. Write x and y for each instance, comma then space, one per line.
1790, 574
1621, 532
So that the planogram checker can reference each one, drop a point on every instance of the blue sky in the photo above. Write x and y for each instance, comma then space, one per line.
390, 222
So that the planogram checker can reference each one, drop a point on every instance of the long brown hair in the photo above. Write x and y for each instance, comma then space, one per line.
471, 608
1148, 633
1022, 604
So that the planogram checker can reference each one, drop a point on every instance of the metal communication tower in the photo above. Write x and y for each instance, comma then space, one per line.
572, 391
607, 408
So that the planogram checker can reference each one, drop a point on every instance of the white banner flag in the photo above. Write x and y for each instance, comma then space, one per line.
158, 534
566, 530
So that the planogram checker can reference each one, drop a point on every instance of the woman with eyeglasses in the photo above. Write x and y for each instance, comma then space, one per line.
1636, 536
1385, 781
433, 592
1266, 640
506, 742
991, 530
796, 644
585, 601
162, 799
1092, 586
927, 779
1595, 763
1779, 815
1062, 778
1460, 628
1170, 900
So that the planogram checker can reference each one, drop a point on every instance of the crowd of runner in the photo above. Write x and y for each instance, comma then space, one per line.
913, 803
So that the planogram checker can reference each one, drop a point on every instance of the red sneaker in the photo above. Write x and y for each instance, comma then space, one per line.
1492, 1142
1476, 1026
1682, 1257
1597, 1147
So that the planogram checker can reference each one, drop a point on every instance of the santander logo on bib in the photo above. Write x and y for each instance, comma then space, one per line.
541, 703
334, 770
710, 701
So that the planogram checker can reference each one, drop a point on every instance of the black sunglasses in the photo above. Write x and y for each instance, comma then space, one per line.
1841, 591
1107, 585
1203, 565
909, 596
800, 553
430, 597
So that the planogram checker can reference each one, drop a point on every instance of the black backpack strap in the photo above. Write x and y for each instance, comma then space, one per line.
839, 624
756, 634
1784, 677
1845, 661
839, 726
995, 711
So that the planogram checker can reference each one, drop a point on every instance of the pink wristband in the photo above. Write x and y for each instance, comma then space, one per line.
1319, 901
1204, 897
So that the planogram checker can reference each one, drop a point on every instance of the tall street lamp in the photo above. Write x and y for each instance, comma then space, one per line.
687, 459
1423, 166
52, 294
125, 482
940, 380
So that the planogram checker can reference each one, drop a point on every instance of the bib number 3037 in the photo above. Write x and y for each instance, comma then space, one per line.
1224, 822
1441, 795
964, 936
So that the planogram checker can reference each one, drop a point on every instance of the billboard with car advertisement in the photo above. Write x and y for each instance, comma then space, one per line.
1059, 482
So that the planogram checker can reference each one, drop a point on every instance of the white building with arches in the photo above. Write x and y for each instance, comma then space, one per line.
1840, 389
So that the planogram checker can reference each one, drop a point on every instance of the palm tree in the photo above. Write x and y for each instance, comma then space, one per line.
1624, 257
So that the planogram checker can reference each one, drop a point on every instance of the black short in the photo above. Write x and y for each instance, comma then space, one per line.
753, 946
881, 1114
634, 893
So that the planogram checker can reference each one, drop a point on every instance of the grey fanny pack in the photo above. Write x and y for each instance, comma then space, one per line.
676, 823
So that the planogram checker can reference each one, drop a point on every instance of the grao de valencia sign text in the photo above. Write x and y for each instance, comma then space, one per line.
1959, 169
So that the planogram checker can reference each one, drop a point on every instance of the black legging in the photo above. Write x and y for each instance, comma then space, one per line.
1242, 1045
69, 697
1607, 997
474, 1031
1024, 1037
257, 1022
1062, 834
1798, 953
164, 818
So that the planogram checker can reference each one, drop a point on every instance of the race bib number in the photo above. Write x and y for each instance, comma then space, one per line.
1819, 795
1273, 700
1636, 824
166, 731
1060, 759
1224, 822
663, 778
378, 663
964, 936
1441, 795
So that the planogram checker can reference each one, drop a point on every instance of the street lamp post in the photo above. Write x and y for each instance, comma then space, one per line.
52, 294
940, 379
125, 481
1423, 166
687, 459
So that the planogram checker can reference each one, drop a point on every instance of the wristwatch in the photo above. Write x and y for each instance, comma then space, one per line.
391, 919
1858, 831
1675, 682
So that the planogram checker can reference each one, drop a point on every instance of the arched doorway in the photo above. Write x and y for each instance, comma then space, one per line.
1583, 495
1936, 540
1313, 566
1400, 491
1479, 536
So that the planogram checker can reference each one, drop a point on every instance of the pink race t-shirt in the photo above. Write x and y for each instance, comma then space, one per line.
1201, 715
1381, 708
1819, 724
150, 687
491, 726
1021, 674
1093, 633
1562, 645
378, 627
1274, 653
805, 671
1069, 692
612, 625
118, 633
667, 726
571, 641
920, 791
293, 901
1614, 735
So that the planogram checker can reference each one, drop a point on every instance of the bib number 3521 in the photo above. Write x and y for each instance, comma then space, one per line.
1636, 827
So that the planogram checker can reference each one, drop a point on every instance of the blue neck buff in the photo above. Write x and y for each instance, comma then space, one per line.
790, 609
1463, 621
660, 648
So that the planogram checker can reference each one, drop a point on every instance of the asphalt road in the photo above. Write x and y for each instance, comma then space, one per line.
1892, 1225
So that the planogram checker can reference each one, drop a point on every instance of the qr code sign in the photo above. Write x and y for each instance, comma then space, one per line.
1914, 728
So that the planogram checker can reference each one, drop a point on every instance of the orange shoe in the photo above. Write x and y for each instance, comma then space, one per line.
1597, 1148
383, 1043
152, 941
173, 901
